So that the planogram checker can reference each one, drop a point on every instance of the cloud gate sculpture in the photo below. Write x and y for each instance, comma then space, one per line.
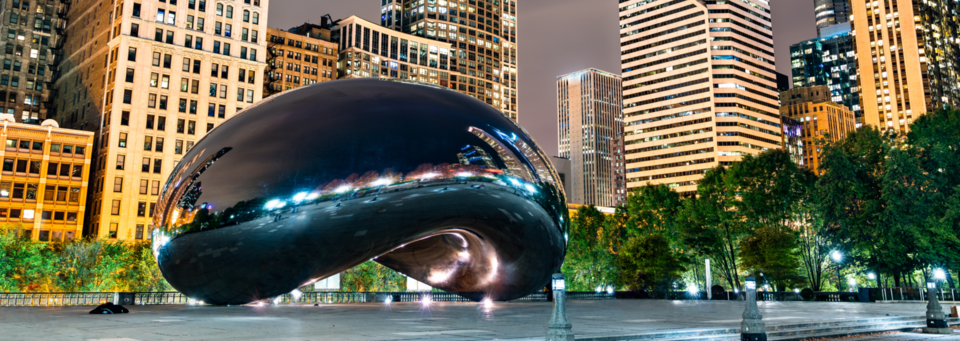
426, 181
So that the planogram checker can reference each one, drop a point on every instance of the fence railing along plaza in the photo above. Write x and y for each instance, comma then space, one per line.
59, 299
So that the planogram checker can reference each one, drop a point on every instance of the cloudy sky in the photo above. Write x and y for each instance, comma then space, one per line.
555, 37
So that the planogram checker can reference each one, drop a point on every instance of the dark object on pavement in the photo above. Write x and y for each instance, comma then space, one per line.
807, 294
109, 308
282, 195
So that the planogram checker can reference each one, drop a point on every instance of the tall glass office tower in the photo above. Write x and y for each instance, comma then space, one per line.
484, 35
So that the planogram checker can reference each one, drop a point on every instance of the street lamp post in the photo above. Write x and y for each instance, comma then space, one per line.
837, 257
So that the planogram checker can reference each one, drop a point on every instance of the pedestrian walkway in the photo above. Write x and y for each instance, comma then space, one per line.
413, 321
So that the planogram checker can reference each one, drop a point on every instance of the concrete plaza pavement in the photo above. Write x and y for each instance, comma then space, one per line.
411, 321
906, 337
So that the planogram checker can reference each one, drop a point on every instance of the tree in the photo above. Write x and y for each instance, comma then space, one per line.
772, 252
849, 195
936, 140
709, 226
370, 276
653, 209
648, 262
589, 261
26, 265
771, 188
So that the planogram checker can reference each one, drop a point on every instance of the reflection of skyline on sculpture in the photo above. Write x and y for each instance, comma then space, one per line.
435, 186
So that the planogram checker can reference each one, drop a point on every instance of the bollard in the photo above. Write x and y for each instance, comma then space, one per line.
936, 319
559, 328
752, 327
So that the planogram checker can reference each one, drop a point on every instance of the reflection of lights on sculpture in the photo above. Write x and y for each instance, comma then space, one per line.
464, 255
382, 182
300, 197
296, 293
273, 204
439, 276
342, 189
313, 195
494, 267
530, 188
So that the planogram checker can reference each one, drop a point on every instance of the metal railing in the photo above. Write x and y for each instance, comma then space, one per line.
152, 298
55, 299
906, 294
161, 298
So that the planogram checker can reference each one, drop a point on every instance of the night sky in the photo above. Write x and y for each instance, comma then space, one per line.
555, 37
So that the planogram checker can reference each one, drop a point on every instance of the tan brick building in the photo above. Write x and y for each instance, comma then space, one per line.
152, 77
303, 56
820, 120
43, 183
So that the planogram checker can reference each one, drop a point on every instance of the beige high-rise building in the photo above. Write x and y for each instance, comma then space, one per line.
152, 77
907, 53
43, 185
589, 121
699, 86
483, 38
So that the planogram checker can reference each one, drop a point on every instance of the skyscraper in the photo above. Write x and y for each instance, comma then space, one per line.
590, 119
831, 12
368, 50
907, 57
483, 34
152, 77
830, 61
31, 36
700, 87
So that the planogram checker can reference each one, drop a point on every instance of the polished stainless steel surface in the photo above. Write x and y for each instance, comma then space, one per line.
427, 181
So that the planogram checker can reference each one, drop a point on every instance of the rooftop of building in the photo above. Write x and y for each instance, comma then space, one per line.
596, 70
353, 18
45, 126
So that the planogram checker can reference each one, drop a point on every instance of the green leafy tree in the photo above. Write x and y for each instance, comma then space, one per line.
935, 137
27, 265
850, 199
589, 261
653, 209
772, 252
710, 227
648, 262
370, 276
